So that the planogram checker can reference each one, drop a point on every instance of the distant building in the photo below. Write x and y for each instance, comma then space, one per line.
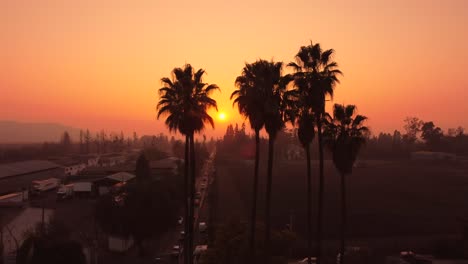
431, 156
165, 167
90, 160
17, 176
112, 159
112, 182
72, 165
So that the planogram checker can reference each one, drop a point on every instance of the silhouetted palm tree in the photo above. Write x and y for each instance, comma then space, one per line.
272, 87
344, 135
186, 99
319, 75
305, 122
250, 100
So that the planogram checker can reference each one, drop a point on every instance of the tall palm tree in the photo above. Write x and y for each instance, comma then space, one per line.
318, 75
185, 99
272, 86
344, 136
306, 133
250, 101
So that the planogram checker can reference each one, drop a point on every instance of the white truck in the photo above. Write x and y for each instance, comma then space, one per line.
40, 186
65, 192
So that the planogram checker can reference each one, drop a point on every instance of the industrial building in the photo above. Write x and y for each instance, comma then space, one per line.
17, 176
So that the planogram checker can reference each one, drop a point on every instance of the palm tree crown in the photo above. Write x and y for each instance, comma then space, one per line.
249, 97
316, 75
185, 99
345, 134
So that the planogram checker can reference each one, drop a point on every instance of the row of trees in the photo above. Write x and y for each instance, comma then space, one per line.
269, 99
417, 135
265, 98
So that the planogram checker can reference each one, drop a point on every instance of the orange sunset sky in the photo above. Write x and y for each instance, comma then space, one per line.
97, 64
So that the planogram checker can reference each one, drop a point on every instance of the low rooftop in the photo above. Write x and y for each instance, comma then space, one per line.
25, 167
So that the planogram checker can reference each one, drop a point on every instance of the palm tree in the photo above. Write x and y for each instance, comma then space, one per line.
185, 99
305, 134
250, 103
317, 74
272, 86
344, 136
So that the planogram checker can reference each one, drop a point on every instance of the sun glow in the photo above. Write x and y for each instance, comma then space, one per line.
222, 116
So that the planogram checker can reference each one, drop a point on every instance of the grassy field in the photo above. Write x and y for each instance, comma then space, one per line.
386, 198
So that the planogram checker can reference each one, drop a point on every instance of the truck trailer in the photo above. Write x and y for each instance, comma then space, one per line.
40, 186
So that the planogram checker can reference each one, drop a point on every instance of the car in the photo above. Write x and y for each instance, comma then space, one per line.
313, 259
180, 220
158, 259
182, 235
175, 251
202, 227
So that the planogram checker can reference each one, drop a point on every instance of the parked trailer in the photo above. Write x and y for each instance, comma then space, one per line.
45, 185
65, 192
12, 200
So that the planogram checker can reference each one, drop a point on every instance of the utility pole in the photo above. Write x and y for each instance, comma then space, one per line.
43, 216
291, 218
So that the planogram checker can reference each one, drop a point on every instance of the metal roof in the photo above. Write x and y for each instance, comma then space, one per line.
121, 176
25, 167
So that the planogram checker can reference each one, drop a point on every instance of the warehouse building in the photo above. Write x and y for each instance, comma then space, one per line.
17, 176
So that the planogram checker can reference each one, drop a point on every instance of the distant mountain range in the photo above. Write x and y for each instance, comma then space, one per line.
20, 132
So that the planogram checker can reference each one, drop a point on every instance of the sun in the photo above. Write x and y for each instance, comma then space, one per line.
222, 116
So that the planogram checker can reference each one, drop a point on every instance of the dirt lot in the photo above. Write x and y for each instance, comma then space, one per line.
386, 198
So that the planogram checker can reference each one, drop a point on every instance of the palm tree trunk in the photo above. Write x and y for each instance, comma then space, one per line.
192, 198
253, 220
271, 142
186, 198
320, 195
309, 207
343, 217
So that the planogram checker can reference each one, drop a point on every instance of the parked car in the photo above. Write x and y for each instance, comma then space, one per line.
202, 227
180, 220
175, 251
65, 192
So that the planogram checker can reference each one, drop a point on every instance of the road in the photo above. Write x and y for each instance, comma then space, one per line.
172, 237
202, 185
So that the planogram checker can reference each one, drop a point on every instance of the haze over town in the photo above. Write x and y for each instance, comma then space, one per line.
98, 65
233, 132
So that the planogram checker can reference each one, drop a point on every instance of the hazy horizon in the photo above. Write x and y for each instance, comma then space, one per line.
98, 65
